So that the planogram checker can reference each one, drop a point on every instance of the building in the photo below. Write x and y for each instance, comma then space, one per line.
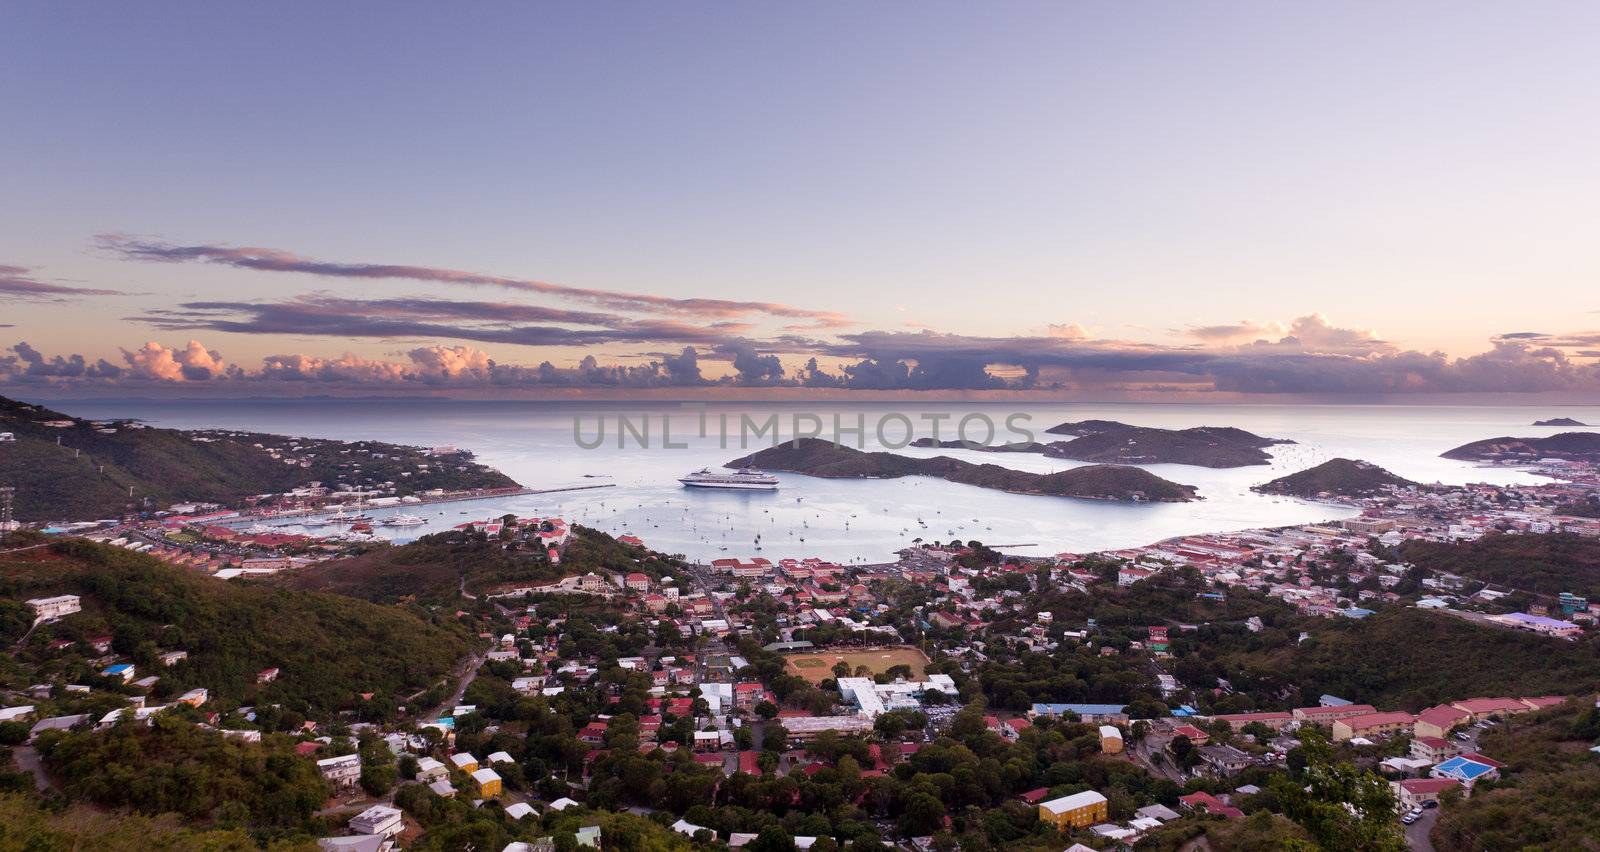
1539, 624
343, 772
464, 762
1078, 810
1224, 759
1466, 769
1432, 749
1437, 722
488, 782
1326, 715
872, 698
122, 671
1371, 725
1415, 792
1090, 713
378, 819
1110, 739
429, 770
48, 609
803, 728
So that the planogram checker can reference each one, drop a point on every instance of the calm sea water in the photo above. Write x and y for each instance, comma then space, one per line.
867, 520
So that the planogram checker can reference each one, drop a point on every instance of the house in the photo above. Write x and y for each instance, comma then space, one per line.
488, 782
1466, 769
172, 658
1224, 759
1491, 708
1090, 713
500, 757
1437, 722
122, 671
1276, 721
464, 762
342, 772
1371, 725
1110, 739
442, 787
1195, 735
1326, 715
1539, 624
1207, 803
1432, 749
637, 582
1415, 792
1078, 810
267, 675
356, 843
689, 829
378, 819
429, 769
194, 697
519, 810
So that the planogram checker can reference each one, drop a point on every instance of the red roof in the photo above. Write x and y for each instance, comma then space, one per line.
750, 762
304, 749
1486, 761
1034, 797
1429, 785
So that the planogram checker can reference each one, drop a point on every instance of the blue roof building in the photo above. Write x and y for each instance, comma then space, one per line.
1463, 769
1086, 712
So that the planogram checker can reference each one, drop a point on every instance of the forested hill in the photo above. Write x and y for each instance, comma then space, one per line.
329, 649
1338, 477
65, 468
816, 457
436, 568
1547, 564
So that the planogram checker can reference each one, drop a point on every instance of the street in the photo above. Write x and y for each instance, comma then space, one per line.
1417, 832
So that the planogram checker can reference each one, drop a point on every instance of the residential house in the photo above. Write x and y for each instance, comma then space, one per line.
488, 782
378, 819
343, 772
1372, 725
1078, 810
1415, 792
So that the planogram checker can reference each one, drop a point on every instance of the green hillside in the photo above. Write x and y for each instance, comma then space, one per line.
82, 470
329, 649
1339, 477
1546, 564
816, 457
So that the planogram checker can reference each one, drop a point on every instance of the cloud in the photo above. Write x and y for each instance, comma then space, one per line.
193, 363
16, 285
277, 260
1067, 331
1232, 331
419, 318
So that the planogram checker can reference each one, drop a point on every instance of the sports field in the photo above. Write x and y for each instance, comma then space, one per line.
817, 666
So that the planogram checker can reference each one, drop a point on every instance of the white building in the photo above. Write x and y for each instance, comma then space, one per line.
47, 609
343, 771
378, 819
872, 698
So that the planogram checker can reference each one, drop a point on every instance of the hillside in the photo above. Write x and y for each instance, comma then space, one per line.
1565, 445
816, 457
1203, 446
1411, 659
1545, 564
329, 649
1559, 421
1547, 797
66, 468
435, 568
1336, 477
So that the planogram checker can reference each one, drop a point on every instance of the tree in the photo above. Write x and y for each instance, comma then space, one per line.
767, 710
1340, 806
924, 814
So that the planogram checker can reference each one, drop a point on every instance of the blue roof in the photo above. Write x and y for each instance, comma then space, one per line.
1080, 709
1463, 768
119, 668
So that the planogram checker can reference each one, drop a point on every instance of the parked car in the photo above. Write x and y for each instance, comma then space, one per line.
1409, 818
1431, 803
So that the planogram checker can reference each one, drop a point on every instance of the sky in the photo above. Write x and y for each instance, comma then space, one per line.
1085, 199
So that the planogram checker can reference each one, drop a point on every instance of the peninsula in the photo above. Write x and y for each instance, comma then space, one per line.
1336, 478
816, 457
1571, 446
1559, 421
1111, 442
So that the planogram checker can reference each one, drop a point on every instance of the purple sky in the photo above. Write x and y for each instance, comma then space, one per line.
1150, 199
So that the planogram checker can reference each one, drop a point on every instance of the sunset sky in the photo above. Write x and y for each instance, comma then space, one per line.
1150, 199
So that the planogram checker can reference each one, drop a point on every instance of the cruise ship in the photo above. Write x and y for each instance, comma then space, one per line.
745, 479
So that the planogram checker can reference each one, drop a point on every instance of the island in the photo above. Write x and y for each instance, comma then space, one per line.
1567, 446
1559, 421
817, 457
1335, 478
67, 468
1107, 441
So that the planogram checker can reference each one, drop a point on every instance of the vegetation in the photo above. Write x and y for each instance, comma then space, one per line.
1339, 477
1205, 446
1566, 445
89, 470
330, 649
435, 569
1546, 797
173, 766
1408, 659
816, 457
27, 825
1545, 564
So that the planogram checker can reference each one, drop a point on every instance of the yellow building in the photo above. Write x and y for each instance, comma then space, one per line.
1078, 810
488, 782
464, 762
1110, 739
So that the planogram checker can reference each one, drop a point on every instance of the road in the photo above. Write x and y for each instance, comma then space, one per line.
1417, 832
28, 761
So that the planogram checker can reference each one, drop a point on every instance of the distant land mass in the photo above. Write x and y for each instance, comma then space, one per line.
1340, 477
1559, 421
1576, 446
816, 457
1108, 441
66, 468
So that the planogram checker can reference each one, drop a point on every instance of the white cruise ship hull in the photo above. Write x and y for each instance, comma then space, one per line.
731, 486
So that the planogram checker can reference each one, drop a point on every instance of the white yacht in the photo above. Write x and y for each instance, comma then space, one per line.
404, 521
744, 479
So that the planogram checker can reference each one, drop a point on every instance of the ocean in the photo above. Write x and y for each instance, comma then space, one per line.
865, 520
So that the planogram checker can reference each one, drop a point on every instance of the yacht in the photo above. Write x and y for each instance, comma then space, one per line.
746, 479
404, 521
